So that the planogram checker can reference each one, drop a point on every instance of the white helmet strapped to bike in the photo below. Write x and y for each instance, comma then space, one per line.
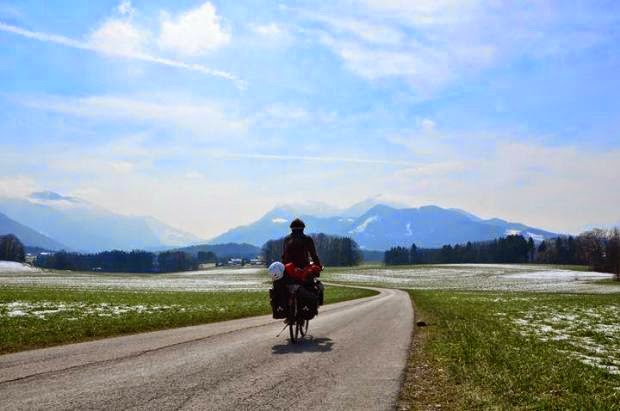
276, 270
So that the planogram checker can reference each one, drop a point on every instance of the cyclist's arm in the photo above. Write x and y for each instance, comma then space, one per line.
284, 252
312, 251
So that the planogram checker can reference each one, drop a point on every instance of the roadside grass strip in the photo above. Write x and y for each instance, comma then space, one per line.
514, 350
487, 277
34, 317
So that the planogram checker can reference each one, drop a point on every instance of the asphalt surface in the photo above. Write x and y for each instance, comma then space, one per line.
353, 358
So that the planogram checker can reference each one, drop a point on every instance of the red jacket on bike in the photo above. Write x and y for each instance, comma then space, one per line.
312, 270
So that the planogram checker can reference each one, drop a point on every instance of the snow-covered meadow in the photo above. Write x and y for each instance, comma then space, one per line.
244, 279
478, 277
482, 277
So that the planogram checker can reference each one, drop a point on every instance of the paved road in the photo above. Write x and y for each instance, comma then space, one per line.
353, 358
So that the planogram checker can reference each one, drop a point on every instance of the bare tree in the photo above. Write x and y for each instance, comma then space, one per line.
612, 252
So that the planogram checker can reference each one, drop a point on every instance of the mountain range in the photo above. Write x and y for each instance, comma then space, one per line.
53, 221
381, 227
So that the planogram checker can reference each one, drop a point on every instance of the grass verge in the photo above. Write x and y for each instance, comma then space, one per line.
485, 350
35, 317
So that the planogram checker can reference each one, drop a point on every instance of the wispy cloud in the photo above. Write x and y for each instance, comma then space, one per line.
320, 159
432, 44
205, 119
268, 30
17, 185
122, 52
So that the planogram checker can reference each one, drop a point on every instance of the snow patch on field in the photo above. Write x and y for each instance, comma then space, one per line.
279, 220
14, 267
559, 275
491, 277
590, 335
44, 309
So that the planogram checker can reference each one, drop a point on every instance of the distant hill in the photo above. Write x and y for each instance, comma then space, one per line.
381, 227
27, 235
83, 226
225, 250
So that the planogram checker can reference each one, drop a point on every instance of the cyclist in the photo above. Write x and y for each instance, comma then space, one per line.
298, 248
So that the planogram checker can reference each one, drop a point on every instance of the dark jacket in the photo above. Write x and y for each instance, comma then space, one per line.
298, 249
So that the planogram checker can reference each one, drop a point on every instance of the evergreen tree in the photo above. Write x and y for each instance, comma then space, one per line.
11, 249
531, 248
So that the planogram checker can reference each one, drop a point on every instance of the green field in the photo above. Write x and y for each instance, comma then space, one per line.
485, 350
506, 336
33, 317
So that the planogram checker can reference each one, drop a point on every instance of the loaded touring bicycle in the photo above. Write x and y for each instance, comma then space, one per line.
295, 297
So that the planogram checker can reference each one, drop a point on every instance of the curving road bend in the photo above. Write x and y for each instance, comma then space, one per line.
353, 358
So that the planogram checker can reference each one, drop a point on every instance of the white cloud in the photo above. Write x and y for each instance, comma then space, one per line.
425, 67
117, 36
194, 32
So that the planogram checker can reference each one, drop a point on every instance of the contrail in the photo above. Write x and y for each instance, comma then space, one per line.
82, 45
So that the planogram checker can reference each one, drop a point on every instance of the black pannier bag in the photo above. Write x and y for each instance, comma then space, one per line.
279, 301
307, 302
319, 287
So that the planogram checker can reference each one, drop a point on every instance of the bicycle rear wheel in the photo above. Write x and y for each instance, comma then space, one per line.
293, 327
303, 327
293, 331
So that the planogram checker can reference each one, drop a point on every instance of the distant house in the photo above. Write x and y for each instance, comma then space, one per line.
257, 261
235, 262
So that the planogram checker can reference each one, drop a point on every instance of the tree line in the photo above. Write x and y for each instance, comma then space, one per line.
11, 249
509, 249
598, 249
334, 251
117, 261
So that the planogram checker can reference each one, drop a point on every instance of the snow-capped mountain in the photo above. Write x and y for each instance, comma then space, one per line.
381, 227
320, 209
84, 226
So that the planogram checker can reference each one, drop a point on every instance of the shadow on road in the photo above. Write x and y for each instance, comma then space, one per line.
307, 344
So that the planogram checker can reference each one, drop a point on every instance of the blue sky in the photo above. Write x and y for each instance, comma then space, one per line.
207, 114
